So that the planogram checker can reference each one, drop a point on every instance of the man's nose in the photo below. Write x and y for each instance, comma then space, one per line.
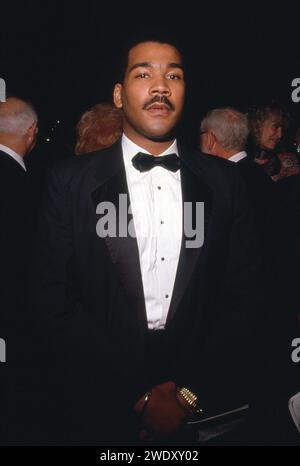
160, 85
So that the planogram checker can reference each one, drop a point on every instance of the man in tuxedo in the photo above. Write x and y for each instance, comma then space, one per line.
224, 133
149, 324
18, 128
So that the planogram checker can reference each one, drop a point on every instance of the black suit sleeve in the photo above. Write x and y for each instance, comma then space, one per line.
81, 359
58, 300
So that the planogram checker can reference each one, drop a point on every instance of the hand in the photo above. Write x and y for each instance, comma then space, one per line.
163, 415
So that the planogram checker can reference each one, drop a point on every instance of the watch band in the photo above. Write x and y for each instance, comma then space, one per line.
190, 399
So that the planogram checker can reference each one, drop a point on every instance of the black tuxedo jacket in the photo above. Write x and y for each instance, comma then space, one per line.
276, 219
90, 294
13, 239
15, 329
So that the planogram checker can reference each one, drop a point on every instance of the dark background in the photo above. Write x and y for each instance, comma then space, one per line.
60, 54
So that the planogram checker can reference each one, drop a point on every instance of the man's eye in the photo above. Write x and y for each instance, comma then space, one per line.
143, 75
173, 76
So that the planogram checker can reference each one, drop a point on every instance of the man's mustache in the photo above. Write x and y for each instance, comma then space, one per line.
162, 99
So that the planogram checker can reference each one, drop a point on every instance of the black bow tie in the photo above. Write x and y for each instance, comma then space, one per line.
144, 162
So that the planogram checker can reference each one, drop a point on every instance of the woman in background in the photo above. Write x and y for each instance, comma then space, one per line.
268, 125
98, 128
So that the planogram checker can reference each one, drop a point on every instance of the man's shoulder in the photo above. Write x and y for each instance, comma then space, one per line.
9, 167
78, 166
209, 167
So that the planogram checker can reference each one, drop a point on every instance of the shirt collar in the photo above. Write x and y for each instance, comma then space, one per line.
237, 157
14, 155
130, 149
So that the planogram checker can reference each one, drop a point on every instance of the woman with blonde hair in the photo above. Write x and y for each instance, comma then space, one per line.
98, 128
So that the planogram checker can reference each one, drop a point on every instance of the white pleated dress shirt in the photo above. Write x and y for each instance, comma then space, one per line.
156, 205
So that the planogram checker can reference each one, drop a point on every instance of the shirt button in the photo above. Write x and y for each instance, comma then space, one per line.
166, 296
158, 187
162, 258
162, 222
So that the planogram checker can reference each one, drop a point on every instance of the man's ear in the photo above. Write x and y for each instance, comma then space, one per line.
117, 95
32, 131
211, 140
31, 136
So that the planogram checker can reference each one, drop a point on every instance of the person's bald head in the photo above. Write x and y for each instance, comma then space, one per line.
18, 125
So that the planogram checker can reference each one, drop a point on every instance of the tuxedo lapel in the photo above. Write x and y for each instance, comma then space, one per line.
193, 191
121, 243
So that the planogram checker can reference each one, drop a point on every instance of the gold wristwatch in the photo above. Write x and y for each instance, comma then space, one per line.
190, 399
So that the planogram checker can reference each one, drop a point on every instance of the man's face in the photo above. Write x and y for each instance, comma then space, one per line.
152, 94
271, 133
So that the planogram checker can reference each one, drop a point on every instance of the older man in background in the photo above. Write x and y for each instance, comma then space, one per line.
18, 128
18, 131
224, 133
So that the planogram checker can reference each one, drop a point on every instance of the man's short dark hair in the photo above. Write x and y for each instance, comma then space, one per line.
161, 37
